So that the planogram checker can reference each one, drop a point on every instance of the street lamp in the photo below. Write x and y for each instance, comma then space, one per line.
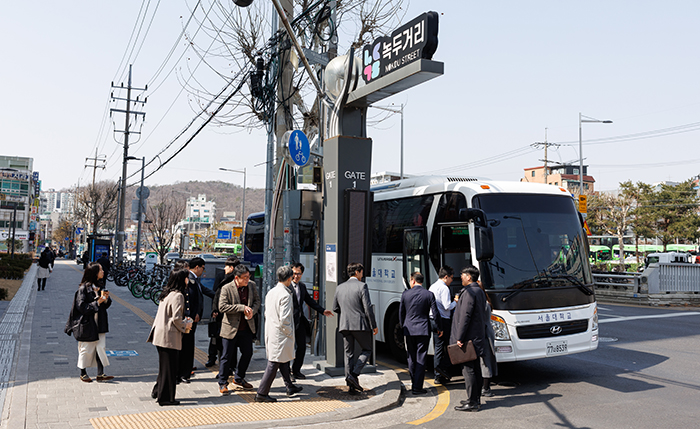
244, 188
580, 145
400, 111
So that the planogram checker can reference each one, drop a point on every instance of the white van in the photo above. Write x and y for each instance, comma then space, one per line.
667, 258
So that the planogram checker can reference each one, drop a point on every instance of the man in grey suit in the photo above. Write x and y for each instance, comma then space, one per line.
356, 323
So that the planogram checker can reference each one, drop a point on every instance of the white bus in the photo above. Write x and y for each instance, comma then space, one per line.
538, 276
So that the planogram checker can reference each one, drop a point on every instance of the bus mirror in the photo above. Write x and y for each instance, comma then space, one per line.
476, 215
484, 243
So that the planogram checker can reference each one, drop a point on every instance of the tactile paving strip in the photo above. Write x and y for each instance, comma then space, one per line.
190, 417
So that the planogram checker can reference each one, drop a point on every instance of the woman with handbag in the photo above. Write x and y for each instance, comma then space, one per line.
90, 306
166, 335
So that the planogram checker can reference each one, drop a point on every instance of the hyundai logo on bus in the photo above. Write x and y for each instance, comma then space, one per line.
297, 147
555, 330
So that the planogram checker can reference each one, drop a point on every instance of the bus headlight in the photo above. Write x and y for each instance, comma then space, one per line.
594, 320
500, 328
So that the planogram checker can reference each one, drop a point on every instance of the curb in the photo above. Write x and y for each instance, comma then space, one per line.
389, 397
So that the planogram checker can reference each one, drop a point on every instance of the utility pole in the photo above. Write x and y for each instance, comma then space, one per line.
140, 214
545, 144
122, 194
101, 159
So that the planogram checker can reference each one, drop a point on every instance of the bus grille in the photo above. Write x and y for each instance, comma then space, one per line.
545, 331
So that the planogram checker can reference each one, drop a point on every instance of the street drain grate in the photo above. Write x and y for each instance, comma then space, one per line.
341, 393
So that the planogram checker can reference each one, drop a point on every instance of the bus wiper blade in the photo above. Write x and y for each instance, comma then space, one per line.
579, 284
520, 286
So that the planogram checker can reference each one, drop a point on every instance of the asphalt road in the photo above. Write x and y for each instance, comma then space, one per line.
644, 374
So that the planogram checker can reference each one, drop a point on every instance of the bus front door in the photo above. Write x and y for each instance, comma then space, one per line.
455, 250
415, 254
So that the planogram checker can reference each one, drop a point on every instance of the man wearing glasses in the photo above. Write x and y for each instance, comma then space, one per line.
302, 327
445, 305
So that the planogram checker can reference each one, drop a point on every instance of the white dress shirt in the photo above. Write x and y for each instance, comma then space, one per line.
444, 301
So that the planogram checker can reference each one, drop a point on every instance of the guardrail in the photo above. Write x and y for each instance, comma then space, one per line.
625, 282
679, 278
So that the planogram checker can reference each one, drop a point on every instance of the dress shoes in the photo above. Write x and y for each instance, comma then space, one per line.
441, 373
467, 407
209, 364
294, 390
223, 390
352, 391
420, 391
182, 380
86, 378
103, 377
164, 403
264, 398
352, 381
244, 384
487, 393
299, 376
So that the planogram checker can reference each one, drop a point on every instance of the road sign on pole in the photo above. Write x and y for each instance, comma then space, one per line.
298, 149
583, 203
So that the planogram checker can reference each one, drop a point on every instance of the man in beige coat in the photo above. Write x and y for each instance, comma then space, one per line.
239, 301
279, 336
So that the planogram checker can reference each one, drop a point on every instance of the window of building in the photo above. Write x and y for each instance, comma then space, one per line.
533, 173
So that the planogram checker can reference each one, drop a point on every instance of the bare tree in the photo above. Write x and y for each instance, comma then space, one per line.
165, 210
612, 214
96, 205
236, 38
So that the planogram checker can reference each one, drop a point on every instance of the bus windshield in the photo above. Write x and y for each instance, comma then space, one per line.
538, 242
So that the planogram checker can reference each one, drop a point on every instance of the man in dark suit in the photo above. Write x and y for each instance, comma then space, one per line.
414, 315
194, 307
302, 327
468, 324
356, 323
215, 344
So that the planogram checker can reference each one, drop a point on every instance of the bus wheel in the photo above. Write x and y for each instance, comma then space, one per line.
394, 336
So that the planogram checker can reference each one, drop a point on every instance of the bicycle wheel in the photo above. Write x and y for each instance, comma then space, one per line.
120, 279
155, 295
137, 288
147, 292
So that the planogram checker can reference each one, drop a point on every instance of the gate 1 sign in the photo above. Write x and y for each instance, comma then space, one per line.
408, 43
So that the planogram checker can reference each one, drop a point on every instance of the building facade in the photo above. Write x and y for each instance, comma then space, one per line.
565, 176
19, 203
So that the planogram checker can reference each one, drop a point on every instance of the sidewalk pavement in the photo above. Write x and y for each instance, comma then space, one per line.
40, 387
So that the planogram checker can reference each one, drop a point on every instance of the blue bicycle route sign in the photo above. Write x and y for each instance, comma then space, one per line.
299, 149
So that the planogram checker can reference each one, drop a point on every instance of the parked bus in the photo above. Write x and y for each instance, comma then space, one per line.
539, 279
598, 254
254, 240
682, 248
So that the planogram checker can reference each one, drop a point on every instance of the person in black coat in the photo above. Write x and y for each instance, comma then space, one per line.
90, 304
45, 267
468, 324
302, 327
194, 307
104, 261
415, 309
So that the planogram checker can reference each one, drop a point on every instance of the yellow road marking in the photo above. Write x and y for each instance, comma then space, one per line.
443, 398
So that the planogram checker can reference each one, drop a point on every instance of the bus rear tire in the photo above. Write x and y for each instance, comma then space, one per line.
393, 335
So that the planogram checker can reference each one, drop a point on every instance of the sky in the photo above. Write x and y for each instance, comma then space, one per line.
513, 69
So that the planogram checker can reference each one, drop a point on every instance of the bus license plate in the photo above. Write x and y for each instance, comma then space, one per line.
556, 348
